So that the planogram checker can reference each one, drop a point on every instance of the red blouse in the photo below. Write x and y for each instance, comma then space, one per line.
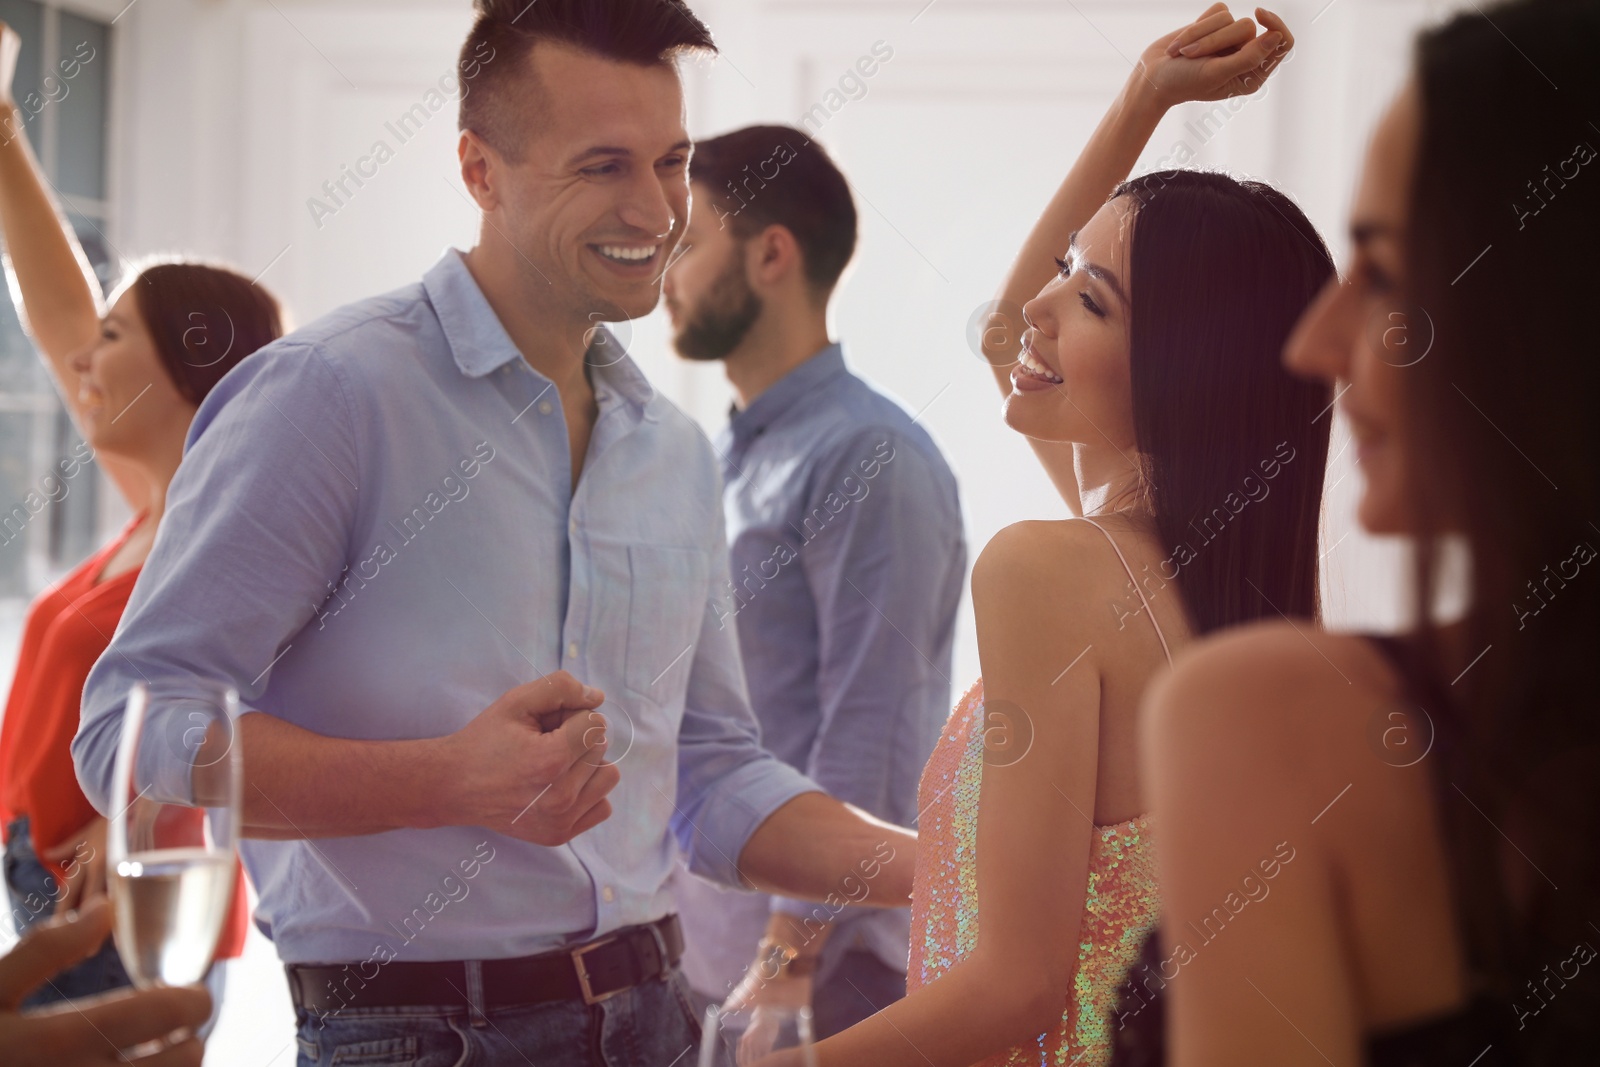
68, 626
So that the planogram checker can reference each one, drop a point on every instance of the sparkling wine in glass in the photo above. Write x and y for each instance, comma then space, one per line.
739, 1038
173, 840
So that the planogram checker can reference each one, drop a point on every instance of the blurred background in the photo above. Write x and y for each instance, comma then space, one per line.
219, 127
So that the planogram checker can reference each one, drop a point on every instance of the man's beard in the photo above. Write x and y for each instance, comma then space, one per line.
724, 317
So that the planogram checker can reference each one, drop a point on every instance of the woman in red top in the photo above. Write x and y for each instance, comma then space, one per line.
132, 379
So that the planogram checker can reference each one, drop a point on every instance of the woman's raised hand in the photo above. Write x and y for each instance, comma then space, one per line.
10, 48
1215, 57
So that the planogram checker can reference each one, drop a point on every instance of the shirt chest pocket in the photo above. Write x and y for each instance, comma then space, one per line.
666, 607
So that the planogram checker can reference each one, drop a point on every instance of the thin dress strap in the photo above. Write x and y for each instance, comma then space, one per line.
1149, 613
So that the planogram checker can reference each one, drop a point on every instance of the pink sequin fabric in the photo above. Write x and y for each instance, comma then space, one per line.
1120, 907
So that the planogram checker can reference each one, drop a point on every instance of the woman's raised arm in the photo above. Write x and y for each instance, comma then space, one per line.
57, 295
1233, 60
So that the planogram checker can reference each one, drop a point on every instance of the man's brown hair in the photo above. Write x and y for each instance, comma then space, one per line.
761, 175
500, 102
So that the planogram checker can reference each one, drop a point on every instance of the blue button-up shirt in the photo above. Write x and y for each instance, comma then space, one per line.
374, 534
848, 562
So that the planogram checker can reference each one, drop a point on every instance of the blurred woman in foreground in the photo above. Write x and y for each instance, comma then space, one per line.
1440, 791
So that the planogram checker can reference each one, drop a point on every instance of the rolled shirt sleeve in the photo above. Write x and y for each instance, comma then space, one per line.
245, 552
727, 783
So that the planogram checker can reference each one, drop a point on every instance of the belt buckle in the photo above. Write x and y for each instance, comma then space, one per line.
577, 955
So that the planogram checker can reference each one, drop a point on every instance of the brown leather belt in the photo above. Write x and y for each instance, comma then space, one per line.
590, 972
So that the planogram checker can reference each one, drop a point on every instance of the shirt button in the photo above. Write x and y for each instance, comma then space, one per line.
572, 648
505, 370
608, 894
545, 408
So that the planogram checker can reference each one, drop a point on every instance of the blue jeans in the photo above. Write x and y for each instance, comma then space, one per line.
32, 891
650, 1025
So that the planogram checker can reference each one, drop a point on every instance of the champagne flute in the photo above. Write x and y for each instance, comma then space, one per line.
172, 846
740, 1038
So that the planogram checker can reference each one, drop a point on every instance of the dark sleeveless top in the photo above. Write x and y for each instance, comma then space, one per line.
1478, 1034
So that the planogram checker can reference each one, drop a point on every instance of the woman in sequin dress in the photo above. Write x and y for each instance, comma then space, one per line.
1149, 384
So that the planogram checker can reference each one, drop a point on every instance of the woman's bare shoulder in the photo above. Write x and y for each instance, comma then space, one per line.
1065, 556
1063, 575
1296, 654
1285, 688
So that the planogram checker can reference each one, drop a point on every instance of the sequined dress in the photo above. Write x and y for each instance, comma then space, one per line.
1120, 907
1121, 904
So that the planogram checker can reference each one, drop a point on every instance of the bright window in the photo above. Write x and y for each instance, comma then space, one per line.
61, 91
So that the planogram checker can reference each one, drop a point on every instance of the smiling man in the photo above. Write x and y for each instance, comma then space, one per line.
405, 531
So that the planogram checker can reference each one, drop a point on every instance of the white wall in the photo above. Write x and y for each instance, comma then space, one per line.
233, 113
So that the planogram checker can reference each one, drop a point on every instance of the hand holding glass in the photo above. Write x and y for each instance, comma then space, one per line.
740, 1038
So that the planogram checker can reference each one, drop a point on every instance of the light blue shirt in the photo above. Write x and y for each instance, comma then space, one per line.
848, 563
373, 534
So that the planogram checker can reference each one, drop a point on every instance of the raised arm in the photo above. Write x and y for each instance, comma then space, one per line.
1226, 59
54, 288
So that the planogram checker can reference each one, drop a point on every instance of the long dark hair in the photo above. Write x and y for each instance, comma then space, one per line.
1235, 446
1505, 225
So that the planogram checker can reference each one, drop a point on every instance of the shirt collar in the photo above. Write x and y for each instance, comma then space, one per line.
477, 339
784, 393
611, 368
479, 342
